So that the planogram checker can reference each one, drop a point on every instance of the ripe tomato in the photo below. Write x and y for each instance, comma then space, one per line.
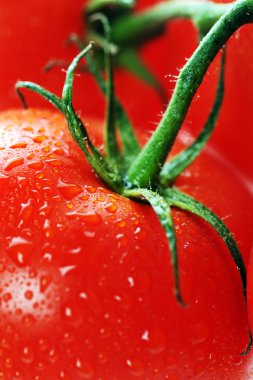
86, 281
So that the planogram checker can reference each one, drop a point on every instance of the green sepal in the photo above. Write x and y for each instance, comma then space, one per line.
51, 98
174, 167
162, 209
111, 145
76, 126
130, 145
185, 202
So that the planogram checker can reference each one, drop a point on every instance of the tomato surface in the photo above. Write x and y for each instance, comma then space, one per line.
86, 283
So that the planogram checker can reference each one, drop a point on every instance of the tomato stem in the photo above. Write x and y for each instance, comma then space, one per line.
175, 166
130, 144
111, 144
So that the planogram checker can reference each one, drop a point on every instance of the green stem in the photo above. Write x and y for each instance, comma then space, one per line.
174, 167
111, 145
133, 27
150, 161
163, 211
130, 145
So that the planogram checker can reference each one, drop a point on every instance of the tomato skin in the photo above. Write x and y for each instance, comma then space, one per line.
86, 280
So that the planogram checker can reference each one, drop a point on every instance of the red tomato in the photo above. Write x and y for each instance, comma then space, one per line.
86, 281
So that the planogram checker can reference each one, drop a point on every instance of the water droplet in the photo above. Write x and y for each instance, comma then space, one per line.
54, 162
103, 357
22, 181
51, 155
136, 367
67, 269
157, 341
13, 163
26, 211
75, 251
32, 273
19, 145
45, 209
40, 366
27, 355
8, 362
28, 320
90, 218
30, 156
91, 189
19, 250
48, 230
85, 197
73, 314
69, 191
28, 128
43, 344
3, 178
39, 139
29, 295
122, 240
130, 281
40, 175
112, 208
35, 165
53, 356
45, 281
18, 375
145, 336
45, 149
47, 190
84, 369
63, 376
59, 152
121, 223
2, 376
89, 234
7, 297
69, 205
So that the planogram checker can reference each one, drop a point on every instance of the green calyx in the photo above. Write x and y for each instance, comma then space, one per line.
143, 174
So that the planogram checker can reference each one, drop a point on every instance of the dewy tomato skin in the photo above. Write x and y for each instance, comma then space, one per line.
86, 280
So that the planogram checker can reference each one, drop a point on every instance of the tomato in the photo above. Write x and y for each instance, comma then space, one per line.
86, 280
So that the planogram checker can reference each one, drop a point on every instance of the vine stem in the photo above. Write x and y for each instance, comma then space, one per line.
149, 162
